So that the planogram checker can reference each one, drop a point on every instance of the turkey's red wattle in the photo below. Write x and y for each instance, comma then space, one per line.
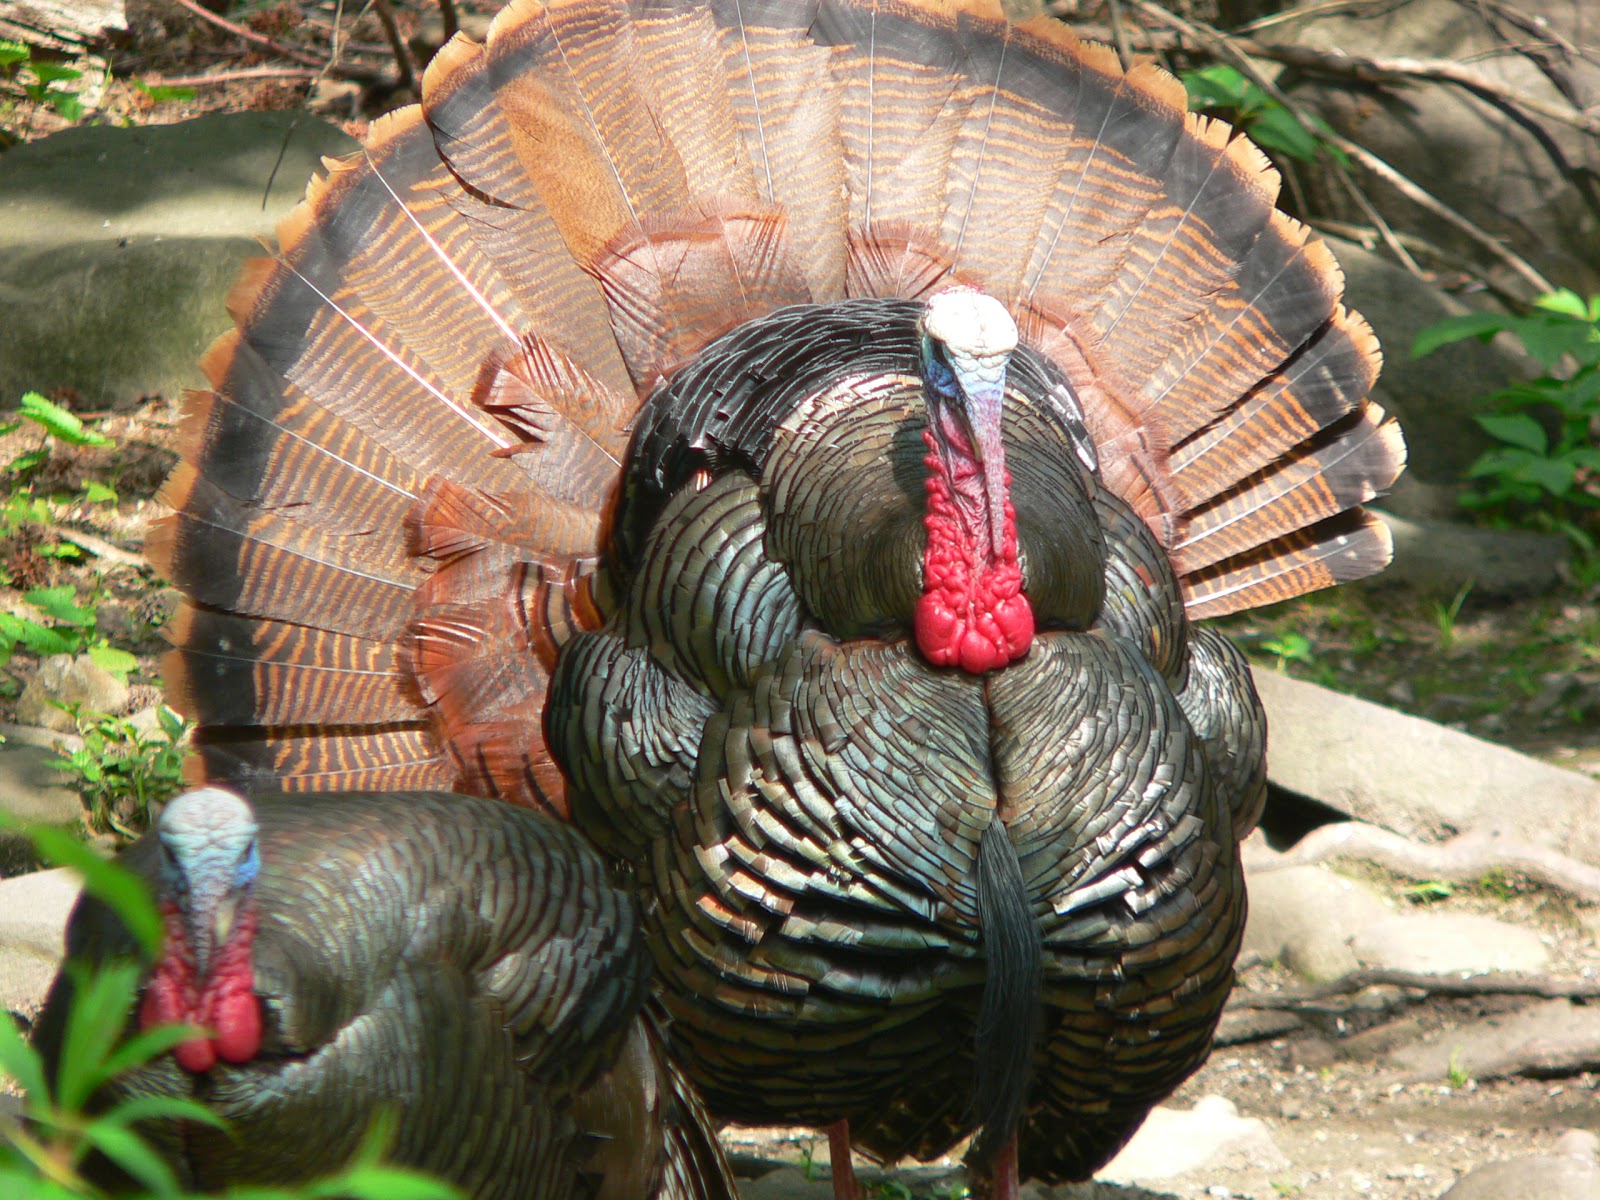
224, 1002
973, 613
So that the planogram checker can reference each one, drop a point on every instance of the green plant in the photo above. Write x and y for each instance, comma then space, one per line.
1545, 470
1456, 1074
73, 629
1223, 90
1429, 891
887, 1189
37, 80
121, 770
1444, 617
23, 507
44, 1159
1290, 647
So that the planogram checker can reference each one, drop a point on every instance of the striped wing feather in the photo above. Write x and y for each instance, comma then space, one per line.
412, 442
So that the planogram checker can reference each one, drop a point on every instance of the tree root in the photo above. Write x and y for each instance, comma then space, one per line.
1463, 859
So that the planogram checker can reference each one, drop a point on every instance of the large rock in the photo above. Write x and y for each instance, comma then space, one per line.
1571, 1171
33, 917
1419, 779
1469, 153
66, 680
118, 246
1449, 943
1554, 1037
1211, 1136
34, 793
1306, 918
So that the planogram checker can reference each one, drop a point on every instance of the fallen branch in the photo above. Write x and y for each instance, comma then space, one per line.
242, 75
1317, 999
1465, 858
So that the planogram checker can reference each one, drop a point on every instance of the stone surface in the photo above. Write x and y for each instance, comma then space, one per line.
1443, 556
64, 679
1449, 943
118, 246
31, 791
33, 914
1550, 1037
1571, 1173
1419, 779
1211, 1135
1470, 154
1305, 918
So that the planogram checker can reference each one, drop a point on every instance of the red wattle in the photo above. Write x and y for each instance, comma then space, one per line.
226, 1005
972, 614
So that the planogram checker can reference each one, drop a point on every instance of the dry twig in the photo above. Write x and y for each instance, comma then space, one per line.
281, 49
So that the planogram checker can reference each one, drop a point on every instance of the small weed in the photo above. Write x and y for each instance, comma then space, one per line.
808, 1161
1502, 885
1430, 891
1287, 1189
1290, 647
122, 770
1457, 1075
887, 1189
1444, 617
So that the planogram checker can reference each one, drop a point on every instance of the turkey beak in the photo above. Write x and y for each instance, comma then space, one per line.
983, 387
208, 919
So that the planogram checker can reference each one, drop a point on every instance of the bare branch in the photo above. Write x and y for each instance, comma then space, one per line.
402, 56
281, 49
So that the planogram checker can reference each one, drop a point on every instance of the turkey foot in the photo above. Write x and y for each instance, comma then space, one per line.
844, 1172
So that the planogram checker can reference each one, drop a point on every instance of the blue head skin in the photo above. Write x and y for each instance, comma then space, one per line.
209, 860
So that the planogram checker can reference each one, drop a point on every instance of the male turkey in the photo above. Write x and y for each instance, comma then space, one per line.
793, 439
463, 963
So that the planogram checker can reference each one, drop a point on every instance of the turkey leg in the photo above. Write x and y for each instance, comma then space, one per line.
1006, 1184
844, 1172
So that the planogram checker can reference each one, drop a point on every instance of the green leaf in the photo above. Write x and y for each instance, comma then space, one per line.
1550, 337
102, 1000
160, 93
383, 1183
60, 423
12, 52
163, 1108
1554, 475
24, 1183
1455, 329
1276, 129
134, 1155
113, 661
147, 1044
1515, 429
44, 642
47, 72
98, 493
21, 1061
1564, 300
111, 882
1216, 86
27, 461
61, 603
